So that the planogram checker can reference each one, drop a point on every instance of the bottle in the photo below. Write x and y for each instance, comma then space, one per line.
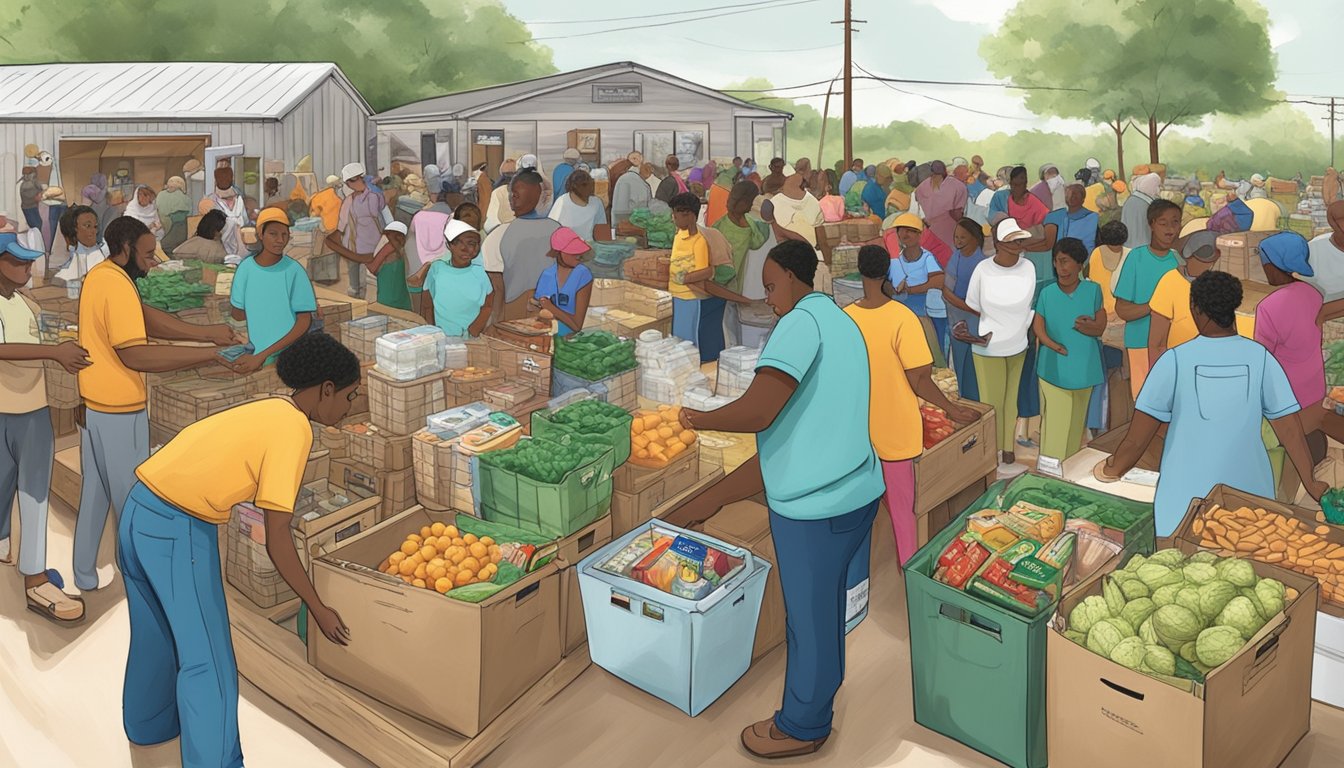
690, 585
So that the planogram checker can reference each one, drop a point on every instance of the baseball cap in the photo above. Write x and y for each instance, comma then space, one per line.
9, 243
1009, 231
528, 161
395, 226
455, 229
908, 220
566, 240
267, 215
352, 171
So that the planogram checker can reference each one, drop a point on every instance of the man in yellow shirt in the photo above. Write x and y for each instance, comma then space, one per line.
115, 327
901, 366
181, 676
690, 267
1172, 324
327, 205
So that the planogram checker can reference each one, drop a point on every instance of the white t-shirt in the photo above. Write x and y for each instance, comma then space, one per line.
1327, 261
1003, 297
583, 219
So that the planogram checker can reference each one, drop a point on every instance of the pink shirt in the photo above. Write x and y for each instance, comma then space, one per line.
1029, 213
1285, 323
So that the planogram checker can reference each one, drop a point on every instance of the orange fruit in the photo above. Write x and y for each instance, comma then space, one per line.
479, 550
463, 578
458, 556
432, 541
407, 579
443, 544
417, 538
397, 557
428, 553
409, 547
487, 541
470, 539
426, 532
450, 531
406, 568
418, 583
421, 571
437, 562
437, 572
496, 553
442, 585
470, 564
437, 529
458, 541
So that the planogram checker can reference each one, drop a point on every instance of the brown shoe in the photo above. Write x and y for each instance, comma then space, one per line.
763, 739
48, 600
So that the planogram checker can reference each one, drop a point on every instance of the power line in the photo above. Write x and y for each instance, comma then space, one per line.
760, 50
736, 12
653, 15
871, 76
940, 101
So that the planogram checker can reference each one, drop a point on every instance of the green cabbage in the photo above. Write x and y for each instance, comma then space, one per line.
1216, 645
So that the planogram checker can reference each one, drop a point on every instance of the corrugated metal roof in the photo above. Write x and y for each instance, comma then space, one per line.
165, 91
465, 104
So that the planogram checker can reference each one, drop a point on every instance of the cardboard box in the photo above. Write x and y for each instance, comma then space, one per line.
318, 466
377, 449
1332, 595
930, 523
573, 629
1251, 711
395, 488
494, 650
65, 477
650, 489
972, 451
747, 524
630, 510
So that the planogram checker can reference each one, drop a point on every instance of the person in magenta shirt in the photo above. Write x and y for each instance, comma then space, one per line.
1286, 324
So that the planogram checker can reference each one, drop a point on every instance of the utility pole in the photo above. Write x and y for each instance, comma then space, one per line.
849, 23
1332, 131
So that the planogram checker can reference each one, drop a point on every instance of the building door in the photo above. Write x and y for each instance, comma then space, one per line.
487, 147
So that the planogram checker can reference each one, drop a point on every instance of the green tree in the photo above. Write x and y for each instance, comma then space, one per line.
394, 51
1147, 64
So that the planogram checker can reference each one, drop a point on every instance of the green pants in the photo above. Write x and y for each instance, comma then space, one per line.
1277, 453
999, 378
1063, 418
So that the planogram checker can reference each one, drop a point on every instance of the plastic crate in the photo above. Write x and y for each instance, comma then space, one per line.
685, 652
967, 657
361, 336
617, 438
553, 510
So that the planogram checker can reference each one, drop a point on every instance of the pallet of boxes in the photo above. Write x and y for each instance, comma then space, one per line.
629, 309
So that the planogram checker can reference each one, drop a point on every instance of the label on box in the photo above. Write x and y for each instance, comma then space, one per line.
856, 600
1050, 467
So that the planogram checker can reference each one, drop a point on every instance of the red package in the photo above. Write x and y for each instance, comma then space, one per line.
959, 562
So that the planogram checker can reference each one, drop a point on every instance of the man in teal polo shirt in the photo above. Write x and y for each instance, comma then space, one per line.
808, 406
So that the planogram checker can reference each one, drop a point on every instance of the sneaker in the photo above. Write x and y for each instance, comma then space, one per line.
763, 739
1027, 442
48, 600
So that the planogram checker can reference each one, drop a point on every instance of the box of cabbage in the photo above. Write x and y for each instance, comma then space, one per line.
1244, 699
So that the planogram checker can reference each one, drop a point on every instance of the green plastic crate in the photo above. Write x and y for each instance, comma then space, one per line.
978, 670
618, 437
580, 499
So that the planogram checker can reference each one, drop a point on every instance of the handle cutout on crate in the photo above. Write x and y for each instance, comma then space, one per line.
962, 616
586, 541
651, 611
970, 443
620, 601
742, 598
526, 592
1122, 689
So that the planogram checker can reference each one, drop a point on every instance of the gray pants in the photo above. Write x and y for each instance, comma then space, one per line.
27, 448
112, 445
356, 273
732, 325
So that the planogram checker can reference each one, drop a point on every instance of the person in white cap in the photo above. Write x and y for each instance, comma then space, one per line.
389, 267
531, 163
562, 171
458, 294
1001, 291
1257, 190
1093, 166
363, 217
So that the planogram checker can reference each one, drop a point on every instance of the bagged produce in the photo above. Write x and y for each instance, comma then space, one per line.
658, 227
1203, 610
594, 355
546, 461
169, 292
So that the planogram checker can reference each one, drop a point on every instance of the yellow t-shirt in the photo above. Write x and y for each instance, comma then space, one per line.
253, 452
690, 253
1090, 195
1171, 299
110, 318
896, 344
1099, 274
1266, 214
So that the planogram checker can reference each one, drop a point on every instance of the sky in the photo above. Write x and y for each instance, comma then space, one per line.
944, 46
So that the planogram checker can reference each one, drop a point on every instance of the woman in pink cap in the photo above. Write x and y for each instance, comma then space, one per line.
566, 286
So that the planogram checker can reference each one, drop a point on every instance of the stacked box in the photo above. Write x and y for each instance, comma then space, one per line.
737, 369
179, 404
361, 336
520, 365
369, 446
651, 302
651, 268
508, 395
621, 389
668, 367
401, 407
333, 315
607, 292
62, 386
433, 464
395, 488
1239, 255
468, 385
335, 441
247, 566
844, 260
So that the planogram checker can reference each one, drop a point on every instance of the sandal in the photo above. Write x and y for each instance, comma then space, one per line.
48, 600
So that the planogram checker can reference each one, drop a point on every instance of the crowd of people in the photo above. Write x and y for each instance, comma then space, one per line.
1010, 283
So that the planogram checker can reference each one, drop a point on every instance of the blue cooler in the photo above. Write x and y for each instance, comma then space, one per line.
685, 652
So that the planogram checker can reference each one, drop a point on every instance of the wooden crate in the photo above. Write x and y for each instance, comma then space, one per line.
180, 404
401, 407
519, 364
651, 268
468, 386
530, 334
1239, 255
971, 451
62, 386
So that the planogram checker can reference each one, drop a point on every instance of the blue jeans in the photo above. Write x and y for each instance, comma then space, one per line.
181, 677
1029, 390
813, 558
686, 319
940, 333
1097, 415
963, 364
711, 329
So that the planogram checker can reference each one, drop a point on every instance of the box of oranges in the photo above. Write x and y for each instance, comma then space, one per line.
487, 607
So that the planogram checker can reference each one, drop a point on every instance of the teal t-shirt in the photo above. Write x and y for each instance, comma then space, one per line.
816, 457
272, 297
1136, 283
1081, 367
458, 295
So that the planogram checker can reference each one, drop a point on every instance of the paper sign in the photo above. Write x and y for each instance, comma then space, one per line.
1050, 467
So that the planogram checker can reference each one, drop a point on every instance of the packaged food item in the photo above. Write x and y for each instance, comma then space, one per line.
995, 584
998, 538
1045, 568
649, 564
1092, 549
691, 585
982, 521
456, 422
1020, 550
960, 560
1031, 521
625, 560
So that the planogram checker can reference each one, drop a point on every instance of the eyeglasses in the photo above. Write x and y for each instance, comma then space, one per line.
354, 395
